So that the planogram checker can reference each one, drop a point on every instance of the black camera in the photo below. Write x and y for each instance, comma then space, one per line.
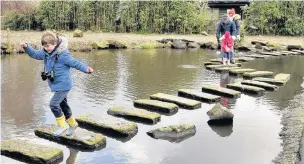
47, 75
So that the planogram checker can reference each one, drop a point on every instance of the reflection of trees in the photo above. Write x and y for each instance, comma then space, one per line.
292, 65
21, 91
160, 72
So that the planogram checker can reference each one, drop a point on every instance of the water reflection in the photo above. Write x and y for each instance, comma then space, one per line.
72, 157
124, 75
223, 131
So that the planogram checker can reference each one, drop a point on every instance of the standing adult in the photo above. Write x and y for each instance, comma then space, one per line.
236, 19
226, 25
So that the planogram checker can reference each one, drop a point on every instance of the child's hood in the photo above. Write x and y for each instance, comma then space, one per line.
237, 17
63, 44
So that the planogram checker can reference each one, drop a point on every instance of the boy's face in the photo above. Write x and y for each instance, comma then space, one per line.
49, 47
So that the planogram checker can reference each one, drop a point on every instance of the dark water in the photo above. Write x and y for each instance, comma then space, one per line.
124, 75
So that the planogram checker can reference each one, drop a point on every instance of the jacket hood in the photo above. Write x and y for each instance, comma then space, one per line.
63, 44
237, 17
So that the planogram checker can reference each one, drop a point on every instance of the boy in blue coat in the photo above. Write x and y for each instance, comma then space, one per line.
57, 63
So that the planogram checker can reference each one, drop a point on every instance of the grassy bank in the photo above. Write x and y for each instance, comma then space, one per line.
85, 43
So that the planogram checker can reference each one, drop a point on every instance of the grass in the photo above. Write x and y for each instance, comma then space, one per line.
83, 43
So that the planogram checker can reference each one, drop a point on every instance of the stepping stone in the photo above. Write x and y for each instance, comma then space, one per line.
258, 74
221, 91
290, 52
218, 60
282, 77
81, 139
108, 125
244, 59
257, 56
211, 67
200, 96
246, 88
28, 152
212, 63
224, 69
240, 71
134, 114
220, 115
270, 53
298, 51
269, 80
174, 133
157, 106
266, 86
181, 102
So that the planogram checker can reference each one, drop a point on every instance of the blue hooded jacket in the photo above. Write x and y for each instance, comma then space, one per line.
222, 28
62, 75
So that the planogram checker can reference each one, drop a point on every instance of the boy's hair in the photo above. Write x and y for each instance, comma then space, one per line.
48, 37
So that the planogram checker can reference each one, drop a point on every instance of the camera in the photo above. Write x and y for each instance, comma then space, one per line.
47, 75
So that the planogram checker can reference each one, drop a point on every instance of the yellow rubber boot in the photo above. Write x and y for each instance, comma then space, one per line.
62, 127
72, 126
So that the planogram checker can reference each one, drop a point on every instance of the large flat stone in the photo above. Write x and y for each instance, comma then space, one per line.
258, 56
200, 96
224, 69
181, 102
244, 59
291, 52
246, 88
282, 77
298, 51
81, 139
217, 90
134, 114
218, 60
258, 74
266, 86
26, 151
270, 53
269, 80
174, 133
239, 71
212, 67
108, 125
157, 106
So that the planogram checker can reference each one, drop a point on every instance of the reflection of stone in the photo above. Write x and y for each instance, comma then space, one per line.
174, 133
223, 131
73, 154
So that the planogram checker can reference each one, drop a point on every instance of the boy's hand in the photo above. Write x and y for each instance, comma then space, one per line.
23, 45
90, 70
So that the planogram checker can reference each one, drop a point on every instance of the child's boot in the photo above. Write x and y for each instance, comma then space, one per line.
62, 127
228, 62
72, 126
224, 61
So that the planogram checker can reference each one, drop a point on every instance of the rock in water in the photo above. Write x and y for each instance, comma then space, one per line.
174, 133
179, 44
220, 115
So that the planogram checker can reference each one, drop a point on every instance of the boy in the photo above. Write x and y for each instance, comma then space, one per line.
226, 49
57, 62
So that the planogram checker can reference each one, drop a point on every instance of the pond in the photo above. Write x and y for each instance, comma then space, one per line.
122, 76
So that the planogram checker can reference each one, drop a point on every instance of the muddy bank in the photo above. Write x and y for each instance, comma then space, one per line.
98, 41
292, 134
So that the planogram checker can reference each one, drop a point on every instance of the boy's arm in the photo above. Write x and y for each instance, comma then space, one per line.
72, 62
36, 54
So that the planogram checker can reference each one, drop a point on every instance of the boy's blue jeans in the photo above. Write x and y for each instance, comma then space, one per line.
59, 104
